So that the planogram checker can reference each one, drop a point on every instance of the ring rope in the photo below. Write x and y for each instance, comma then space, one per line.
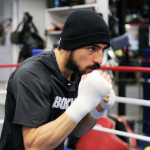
117, 132
122, 133
112, 68
3, 92
126, 69
133, 101
9, 65
119, 99
1, 121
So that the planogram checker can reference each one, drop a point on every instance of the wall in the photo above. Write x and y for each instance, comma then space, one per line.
1, 8
5, 50
36, 9
103, 8
15, 9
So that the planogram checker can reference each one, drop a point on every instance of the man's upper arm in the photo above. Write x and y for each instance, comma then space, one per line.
32, 99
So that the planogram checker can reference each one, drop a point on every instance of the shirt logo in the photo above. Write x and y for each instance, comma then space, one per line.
62, 103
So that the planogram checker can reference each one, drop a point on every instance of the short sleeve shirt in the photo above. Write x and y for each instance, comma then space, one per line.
37, 93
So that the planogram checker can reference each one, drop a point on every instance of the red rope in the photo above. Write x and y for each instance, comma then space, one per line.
9, 65
113, 68
127, 69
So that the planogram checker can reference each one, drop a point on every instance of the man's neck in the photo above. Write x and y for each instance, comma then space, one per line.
61, 58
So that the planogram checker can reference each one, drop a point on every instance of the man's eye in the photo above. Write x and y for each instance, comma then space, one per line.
92, 49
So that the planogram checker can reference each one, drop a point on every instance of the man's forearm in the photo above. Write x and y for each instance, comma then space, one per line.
86, 124
48, 136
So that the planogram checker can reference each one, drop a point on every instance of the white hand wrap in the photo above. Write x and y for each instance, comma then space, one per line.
111, 100
96, 114
91, 91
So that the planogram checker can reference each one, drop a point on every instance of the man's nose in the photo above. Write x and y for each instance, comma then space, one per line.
98, 57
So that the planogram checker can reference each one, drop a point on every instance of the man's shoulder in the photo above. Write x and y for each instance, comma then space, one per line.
44, 58
40, 66
39, 62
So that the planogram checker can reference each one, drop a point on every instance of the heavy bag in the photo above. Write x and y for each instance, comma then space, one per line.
31, 37
16, 36
33, 41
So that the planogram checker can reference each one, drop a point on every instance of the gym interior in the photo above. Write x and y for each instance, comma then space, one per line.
127, 124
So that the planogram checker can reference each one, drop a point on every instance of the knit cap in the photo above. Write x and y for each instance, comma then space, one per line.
84, 27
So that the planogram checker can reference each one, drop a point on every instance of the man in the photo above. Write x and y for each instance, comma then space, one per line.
44, 103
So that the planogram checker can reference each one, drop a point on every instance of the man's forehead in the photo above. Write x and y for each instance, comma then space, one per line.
100, 45
103, 46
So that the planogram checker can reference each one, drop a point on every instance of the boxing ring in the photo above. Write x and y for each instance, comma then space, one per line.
125, 100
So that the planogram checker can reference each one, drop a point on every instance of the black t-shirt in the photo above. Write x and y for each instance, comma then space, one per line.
37, 93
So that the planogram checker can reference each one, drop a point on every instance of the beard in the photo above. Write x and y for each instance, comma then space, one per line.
73, 66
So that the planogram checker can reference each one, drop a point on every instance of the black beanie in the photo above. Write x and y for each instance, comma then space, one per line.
84, 27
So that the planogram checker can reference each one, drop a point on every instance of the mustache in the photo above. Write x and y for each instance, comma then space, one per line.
95, 66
